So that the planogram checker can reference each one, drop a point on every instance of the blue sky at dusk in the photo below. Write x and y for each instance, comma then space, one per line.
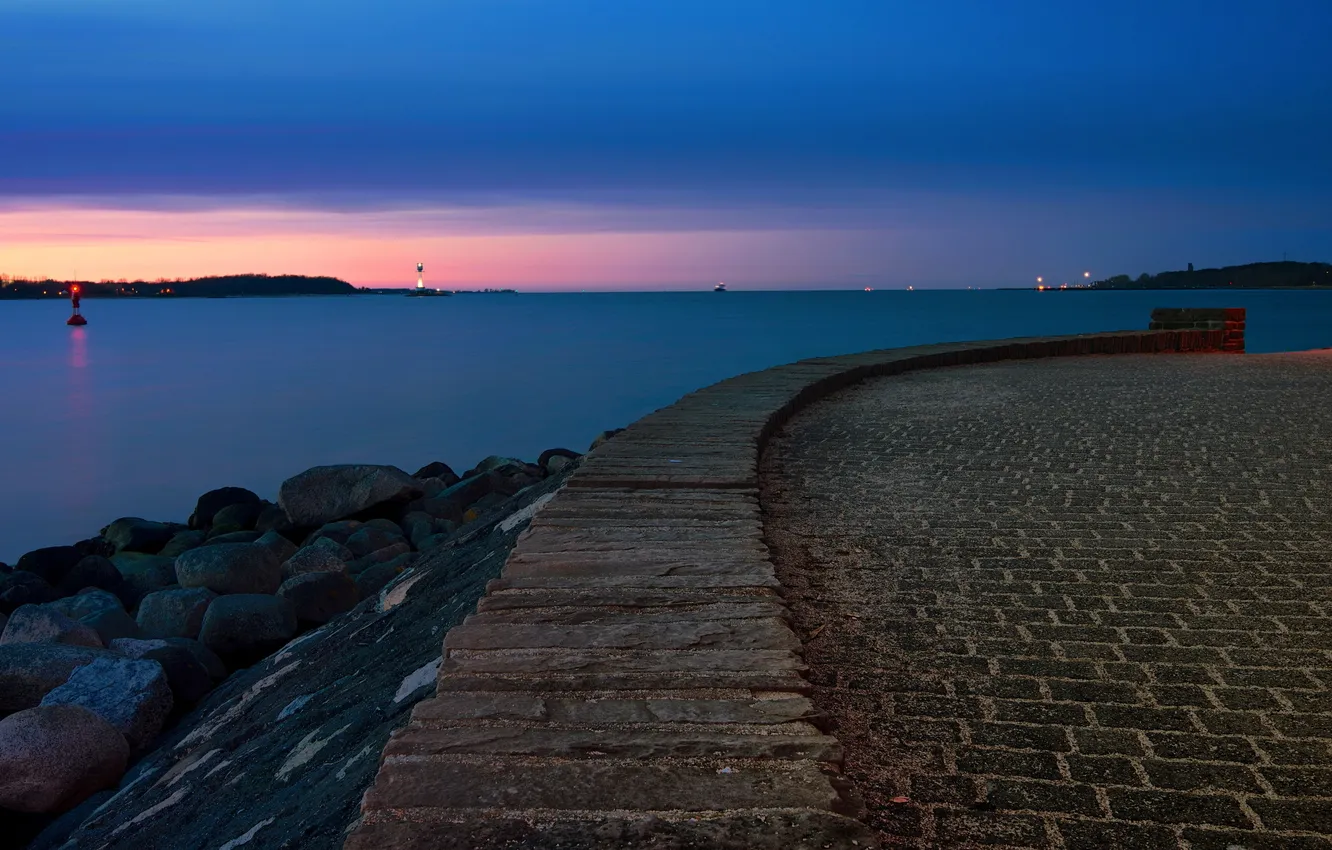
662, 144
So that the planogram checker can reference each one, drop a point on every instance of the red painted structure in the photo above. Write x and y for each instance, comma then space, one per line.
77, 318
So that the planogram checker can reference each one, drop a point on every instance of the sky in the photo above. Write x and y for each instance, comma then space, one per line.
650, 144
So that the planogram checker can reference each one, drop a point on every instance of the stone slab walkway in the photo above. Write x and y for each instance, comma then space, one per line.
633, 679
1079, 603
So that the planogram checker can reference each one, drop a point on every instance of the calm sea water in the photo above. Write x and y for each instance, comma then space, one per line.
155, 402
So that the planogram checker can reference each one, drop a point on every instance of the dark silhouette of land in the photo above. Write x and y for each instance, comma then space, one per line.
199, 287
1282, 275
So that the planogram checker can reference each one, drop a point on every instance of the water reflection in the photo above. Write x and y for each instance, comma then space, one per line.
80, 466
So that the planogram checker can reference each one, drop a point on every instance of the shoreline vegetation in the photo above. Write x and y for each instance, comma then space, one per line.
224, 286
1279, 275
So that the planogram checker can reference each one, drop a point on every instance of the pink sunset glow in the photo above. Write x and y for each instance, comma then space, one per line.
461, 248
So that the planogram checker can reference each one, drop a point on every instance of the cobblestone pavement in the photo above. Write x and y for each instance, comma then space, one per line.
1080, 602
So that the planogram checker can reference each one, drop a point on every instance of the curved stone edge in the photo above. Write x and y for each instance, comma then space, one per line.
631, 679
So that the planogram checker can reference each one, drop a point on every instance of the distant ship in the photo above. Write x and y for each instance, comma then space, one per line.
721, 287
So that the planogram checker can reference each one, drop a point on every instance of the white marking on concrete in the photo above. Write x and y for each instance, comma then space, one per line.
245, 839
191, 762
393, 596
365, 751
304, 751
286, 650
518, 517
294, 706
151, 810
205, 730
419, 678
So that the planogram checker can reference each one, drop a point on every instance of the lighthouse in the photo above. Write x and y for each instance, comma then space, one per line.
420, 277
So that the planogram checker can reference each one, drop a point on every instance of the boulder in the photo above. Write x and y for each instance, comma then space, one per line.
451, 503
281, 547
183, 542
324, 555
418, 525
215, 500
29, 670
50, 563
95, 546
40, 624
490, 501
549, 454
327, 493
497, 462
241, 515
205, 656
241, 536
434, 541
245, 627
91, 571
371, 538
273, 518
24, 588
86, 603
338, 532
187, 675
52, 758
378, 556
112, 623
230, 568
437, 469
373, 579
143, 574
433, 487
319, 597
132, 695
174, 613
133, 534
603, 437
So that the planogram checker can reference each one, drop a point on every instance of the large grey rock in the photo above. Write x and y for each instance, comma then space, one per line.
232, 536
371, 538
40, 624
189, 678
281, 547
174, 613
215, 500
379, 556
239, 516
21, 587
183, 542
143, 574
273, 518
322, 556
134, 534
338, 531
132, 695
319, 597
245, 627
205, 656
112, 623
28, 671
437, 469
230, 568
373, 579
85, 604
53, 757
451, 503
327, 493
91, 571
50, 562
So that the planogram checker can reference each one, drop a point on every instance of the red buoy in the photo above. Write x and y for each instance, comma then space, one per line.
77, 318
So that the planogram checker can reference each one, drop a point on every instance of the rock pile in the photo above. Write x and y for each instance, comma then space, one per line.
104, 643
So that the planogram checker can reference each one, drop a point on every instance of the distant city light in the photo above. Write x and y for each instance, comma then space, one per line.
1086, 274
1040, 280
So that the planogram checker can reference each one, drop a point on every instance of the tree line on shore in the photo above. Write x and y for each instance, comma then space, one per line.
199, 287
1281, 275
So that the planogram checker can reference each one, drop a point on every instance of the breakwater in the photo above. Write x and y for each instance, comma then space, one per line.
634, 661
